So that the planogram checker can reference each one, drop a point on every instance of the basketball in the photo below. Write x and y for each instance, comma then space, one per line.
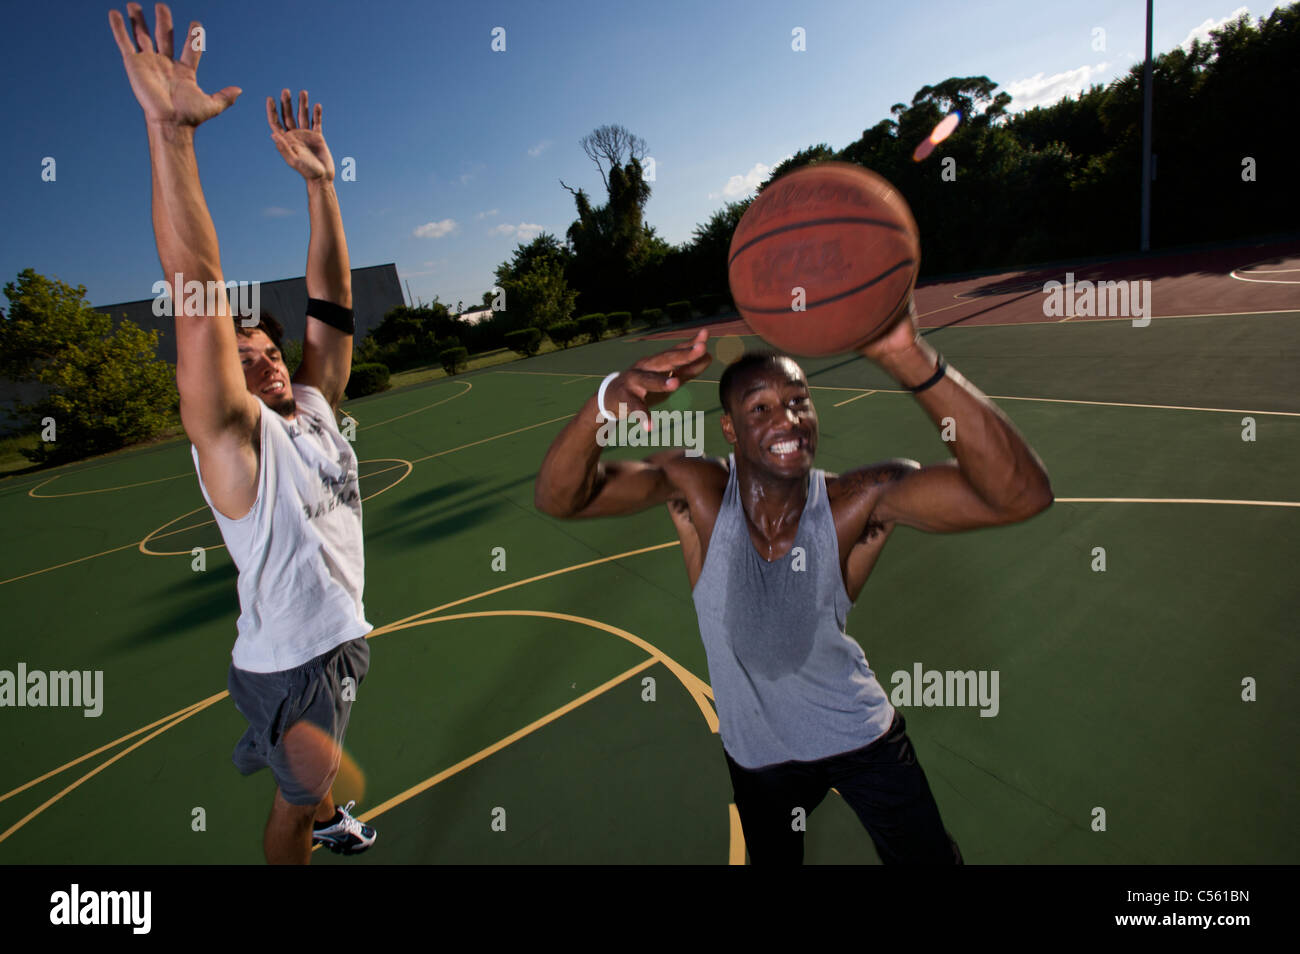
824, 259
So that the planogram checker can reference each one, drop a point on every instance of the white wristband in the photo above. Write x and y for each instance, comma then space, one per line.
600, 398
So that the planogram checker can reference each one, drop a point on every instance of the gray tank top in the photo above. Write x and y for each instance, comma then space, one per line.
789, 683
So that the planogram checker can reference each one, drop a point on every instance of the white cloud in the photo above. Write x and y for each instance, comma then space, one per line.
524, 231
435, 229
1041, 90
277, 212
739, 186
1202, 32
540, 148
488, 214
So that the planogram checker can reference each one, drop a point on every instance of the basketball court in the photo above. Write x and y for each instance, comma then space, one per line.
558, 710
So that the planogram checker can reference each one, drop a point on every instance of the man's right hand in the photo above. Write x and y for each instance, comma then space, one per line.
652, 379
167, 89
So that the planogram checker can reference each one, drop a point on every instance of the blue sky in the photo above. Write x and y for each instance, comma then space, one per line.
459, 149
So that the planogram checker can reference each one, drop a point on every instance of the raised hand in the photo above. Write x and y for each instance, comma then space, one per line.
900, 338
652, 379
302, 143
166, 89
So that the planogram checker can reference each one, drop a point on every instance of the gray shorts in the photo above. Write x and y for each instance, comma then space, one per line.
273, 702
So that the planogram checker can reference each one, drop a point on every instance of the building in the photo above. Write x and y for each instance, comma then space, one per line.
375, 291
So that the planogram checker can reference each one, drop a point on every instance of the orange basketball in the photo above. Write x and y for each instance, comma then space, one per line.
824, 259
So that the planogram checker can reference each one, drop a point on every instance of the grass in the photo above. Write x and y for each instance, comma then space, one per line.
489, 359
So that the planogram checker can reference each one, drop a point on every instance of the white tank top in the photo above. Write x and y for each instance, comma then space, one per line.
299, 550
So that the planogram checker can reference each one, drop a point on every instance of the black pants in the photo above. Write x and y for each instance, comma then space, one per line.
882, 782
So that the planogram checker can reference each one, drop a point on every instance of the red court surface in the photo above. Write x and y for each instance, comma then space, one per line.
1241, 280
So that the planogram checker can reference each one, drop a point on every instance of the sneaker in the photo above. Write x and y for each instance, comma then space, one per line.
347, 836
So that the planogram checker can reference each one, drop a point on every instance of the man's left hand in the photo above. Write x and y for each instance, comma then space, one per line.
302, 143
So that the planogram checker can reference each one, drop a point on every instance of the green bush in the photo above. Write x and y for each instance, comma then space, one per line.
618, 321
525, 341
367, 379
708, 303
679, 311
593, 326
563, 332
453, 359
653, 316
104, 386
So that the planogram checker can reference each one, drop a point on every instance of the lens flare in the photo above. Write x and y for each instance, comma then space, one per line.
940, 132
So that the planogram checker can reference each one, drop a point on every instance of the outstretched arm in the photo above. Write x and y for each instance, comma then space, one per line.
218, 412
996, 477
575, 482
326, 348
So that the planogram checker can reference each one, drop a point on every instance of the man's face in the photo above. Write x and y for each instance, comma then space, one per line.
264, 371
771, 422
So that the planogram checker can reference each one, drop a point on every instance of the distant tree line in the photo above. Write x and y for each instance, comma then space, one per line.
1050, 183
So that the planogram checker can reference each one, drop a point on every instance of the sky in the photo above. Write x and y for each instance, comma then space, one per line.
459, 149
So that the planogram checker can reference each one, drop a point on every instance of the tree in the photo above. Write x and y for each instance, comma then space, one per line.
804, 157
105, 387
611, 243
537, 293
610, 143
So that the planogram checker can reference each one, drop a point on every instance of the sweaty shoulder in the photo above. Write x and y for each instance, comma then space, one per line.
693, 475
873, 475
860, 487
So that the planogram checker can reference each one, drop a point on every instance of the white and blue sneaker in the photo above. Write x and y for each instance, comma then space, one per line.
345, 835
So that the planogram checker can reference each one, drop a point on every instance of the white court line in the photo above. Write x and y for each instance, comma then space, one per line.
998, 397
1266, 281
1162, 407
1179, 500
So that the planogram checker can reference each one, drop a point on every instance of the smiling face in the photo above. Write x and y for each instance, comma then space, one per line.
769, 418
265, 373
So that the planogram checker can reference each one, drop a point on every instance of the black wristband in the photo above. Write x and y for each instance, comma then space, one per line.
934, 378
336, 316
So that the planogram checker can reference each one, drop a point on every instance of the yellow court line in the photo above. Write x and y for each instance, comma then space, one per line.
852, 399
107, 746
1180, 500
83, 493
692, 683
494, 437
103, 765
736, 852
141, 544
158, 535
468, 388
15, 579
703, 687
500, 744
510, 586
556, 374
581, 377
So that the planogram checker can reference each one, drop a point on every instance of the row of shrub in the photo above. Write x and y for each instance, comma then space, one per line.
372, 376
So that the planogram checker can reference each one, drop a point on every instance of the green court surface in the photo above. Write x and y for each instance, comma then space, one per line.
520, 696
